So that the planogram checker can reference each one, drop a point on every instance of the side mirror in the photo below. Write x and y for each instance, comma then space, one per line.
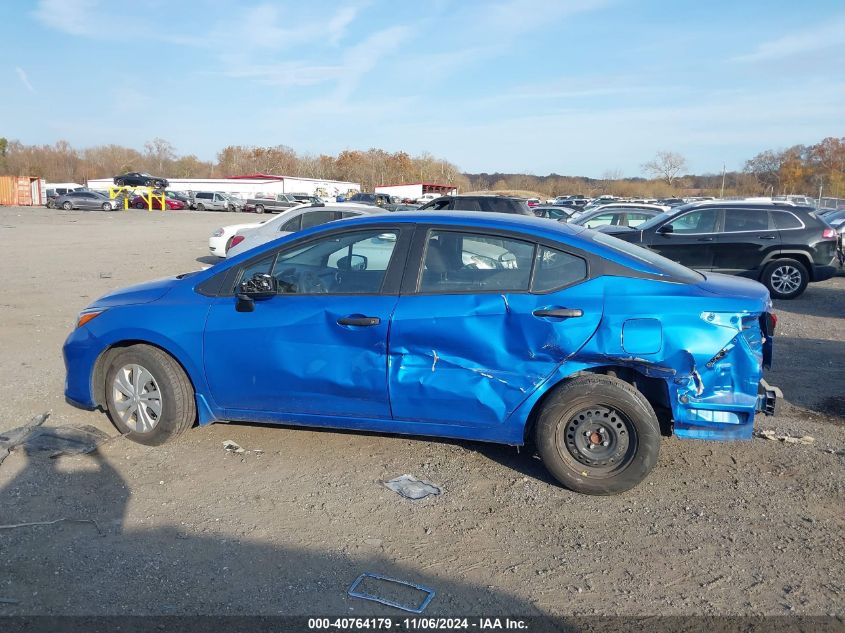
260, 286
666, 228
352, 262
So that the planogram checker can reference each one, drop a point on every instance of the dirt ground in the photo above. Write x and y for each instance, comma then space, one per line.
718, 528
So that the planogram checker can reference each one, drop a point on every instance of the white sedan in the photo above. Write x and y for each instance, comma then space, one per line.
221, 240
295, 219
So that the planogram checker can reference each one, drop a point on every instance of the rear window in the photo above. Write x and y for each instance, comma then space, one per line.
659, 263
744, 220
555, 269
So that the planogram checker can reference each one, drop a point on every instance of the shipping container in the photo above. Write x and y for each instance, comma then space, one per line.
22, 191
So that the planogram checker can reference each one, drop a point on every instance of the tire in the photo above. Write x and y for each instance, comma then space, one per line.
67, 205
200, 207
107, 206
785, 278
148, 183
120, 182
608, 410
139, 420
259, 208
159, 184
140, 205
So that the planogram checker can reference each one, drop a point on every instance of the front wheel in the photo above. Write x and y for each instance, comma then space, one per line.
67, 206
107, 206
200, 207
148, 395
785, 278
598, 435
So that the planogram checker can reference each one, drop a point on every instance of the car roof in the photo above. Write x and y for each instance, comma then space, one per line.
631, 205
745, 204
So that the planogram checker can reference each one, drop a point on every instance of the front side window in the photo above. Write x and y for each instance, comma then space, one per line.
469, 262
699, 221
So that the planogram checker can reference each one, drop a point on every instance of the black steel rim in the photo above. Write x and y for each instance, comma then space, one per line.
600, 438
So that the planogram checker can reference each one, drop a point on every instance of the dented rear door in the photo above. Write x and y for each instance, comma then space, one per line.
470, 358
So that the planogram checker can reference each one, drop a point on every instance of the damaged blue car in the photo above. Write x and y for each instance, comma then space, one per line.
486, 327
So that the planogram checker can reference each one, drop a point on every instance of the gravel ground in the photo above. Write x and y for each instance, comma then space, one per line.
743, 528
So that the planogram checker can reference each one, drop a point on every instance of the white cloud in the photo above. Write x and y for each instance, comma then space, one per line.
339, 22
24, 79
829, 35
76, 17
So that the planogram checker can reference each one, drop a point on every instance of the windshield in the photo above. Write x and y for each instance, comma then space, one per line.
658, 262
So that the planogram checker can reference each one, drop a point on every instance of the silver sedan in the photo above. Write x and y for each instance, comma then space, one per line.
84, 200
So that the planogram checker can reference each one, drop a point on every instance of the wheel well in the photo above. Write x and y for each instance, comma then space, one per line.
802, 258
98, 376
655, 390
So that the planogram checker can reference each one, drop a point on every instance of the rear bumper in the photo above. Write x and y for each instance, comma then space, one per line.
823, 273
768, 398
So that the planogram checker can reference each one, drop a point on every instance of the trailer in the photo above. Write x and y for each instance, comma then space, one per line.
416, 190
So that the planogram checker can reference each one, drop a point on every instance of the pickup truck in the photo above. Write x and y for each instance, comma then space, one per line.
281, 202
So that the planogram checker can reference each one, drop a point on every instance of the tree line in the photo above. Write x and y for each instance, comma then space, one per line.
801, 169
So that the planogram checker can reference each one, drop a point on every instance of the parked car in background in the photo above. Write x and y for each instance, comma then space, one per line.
54, 192
618, 214
183, 197
553, 212
428, 197
836, 220
402, 207
532, 202
141, 202
489, 204
221, 239
277, 203
216, 201
293, 220
304, 198
140, 179
575, 340
783, 246
84, 199
375, 199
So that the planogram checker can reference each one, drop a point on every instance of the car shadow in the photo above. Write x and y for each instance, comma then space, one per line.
209, 260
106, 561
811, 373
818, 300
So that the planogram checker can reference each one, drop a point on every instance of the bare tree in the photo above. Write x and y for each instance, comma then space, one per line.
666, 166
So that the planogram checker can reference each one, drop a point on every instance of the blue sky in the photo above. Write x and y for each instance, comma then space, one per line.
576, 87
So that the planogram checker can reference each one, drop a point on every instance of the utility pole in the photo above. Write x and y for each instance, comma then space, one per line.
722, 195
821, 184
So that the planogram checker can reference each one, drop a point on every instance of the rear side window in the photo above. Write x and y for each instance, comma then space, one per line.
784, 220
555, 269
744, 220
503, 205
471, 262
203, 196
468, 204
316, 218
292, 225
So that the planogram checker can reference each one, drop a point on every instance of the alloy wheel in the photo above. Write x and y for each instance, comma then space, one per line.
786, 279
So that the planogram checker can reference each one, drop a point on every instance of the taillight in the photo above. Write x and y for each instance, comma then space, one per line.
829, 233
236, 240
774, 320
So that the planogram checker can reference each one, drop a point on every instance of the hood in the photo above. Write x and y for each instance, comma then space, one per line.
737, 287
146, 292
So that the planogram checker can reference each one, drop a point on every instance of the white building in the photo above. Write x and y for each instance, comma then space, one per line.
415, 190
252, 185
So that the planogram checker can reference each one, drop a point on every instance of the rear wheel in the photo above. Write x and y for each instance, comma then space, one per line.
120, 182
259, 208
598, 435
785, 278
148, 183
200, 206
148, 395
139, 205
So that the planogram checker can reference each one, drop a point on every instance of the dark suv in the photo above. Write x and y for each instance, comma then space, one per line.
781, 245
494, 204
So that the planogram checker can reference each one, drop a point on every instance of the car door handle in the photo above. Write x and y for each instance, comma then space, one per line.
559, 313
767, 237
360, 321
705, 239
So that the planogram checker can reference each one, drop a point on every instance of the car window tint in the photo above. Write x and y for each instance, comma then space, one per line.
785, 220
500, 205
700, 221
468, 262
603, 219
349, 263
439, 205
469, 204
316, 218
635, 219
555, 269
261, 267
737, 220
292, 225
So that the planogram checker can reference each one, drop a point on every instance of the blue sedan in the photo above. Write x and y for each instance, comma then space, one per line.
486, 327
